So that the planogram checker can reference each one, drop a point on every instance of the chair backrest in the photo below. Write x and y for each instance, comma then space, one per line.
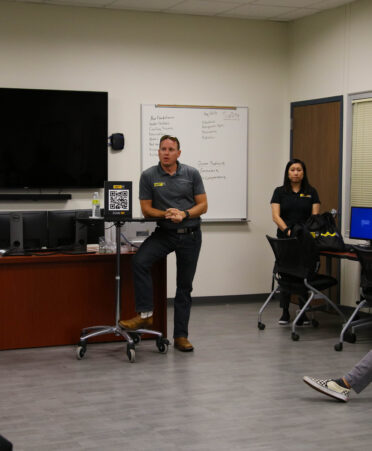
295, 256
365, 258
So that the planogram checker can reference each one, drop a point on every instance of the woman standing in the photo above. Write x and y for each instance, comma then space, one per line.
293, 203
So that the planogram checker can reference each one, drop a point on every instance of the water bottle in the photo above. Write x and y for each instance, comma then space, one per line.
96, 209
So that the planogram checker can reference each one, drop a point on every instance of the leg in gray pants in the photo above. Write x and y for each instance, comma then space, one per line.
361, 375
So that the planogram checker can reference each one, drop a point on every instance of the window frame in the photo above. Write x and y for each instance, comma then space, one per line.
348, 166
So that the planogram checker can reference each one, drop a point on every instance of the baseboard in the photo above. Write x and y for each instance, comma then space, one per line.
230, 299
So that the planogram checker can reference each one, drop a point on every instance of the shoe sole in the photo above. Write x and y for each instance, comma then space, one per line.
127, 328
283, 323
146, 326
184, 349
325, 390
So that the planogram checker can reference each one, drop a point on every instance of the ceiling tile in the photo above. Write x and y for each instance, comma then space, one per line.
209, 7
289, 3
297, 13
87, 3
25, 1
328, 4
257, 11
249, 9
143, 5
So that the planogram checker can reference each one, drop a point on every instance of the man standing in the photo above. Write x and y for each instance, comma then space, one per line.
175, 193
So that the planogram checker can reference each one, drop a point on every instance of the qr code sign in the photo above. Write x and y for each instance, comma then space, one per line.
118, 199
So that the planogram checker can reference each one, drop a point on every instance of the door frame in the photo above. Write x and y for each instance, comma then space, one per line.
340, 150
341, 133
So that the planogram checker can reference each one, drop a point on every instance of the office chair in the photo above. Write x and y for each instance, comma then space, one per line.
295, 271
365, 259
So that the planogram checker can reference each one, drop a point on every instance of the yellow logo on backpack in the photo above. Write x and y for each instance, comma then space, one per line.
316, 235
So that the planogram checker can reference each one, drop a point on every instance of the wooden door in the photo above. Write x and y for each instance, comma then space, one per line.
316, 138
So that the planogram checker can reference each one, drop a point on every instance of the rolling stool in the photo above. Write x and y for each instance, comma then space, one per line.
132, 337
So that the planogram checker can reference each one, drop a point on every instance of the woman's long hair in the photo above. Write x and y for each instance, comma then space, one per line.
305, 185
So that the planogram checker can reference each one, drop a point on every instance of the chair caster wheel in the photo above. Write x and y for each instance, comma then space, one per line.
136, 338
315, 323
162, 345
261, 326
80, 351
295, 337
131, 353
350, 337
338, 347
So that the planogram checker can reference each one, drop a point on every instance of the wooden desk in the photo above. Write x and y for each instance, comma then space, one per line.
338, 255
329, 255
46, 300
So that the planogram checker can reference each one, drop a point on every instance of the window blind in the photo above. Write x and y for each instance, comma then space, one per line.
361, 147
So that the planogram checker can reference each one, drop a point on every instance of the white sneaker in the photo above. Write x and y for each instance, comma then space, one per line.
329, 387
285, 318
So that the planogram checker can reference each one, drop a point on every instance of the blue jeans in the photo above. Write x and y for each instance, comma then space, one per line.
159, 244
361, 375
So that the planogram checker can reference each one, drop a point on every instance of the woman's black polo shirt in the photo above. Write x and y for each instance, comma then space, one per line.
295, 208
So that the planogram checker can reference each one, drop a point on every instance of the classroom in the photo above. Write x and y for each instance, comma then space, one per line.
213, 399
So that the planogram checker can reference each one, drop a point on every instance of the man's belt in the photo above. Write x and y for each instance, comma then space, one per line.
186, 230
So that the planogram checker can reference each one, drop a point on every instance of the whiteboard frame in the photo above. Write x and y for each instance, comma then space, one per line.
158, 105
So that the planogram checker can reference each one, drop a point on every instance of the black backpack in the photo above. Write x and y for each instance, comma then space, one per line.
324, 230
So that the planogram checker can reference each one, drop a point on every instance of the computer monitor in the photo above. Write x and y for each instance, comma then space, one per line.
4, 230
35, 229
94, 229
61, 229
71, 229
28, 230
136, 232
361, 223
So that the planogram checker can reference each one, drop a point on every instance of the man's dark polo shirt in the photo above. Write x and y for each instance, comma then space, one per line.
172, 191
295, 208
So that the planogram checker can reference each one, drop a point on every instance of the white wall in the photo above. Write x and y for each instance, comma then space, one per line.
158, 58
331, 54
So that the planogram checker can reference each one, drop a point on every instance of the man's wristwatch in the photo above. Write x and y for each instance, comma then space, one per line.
187, 213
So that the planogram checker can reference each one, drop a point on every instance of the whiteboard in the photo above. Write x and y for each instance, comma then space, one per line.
214, 140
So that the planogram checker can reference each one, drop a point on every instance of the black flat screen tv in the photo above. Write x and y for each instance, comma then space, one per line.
52, 139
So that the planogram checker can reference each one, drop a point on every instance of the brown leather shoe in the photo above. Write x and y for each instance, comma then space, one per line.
136, 323
183, 344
